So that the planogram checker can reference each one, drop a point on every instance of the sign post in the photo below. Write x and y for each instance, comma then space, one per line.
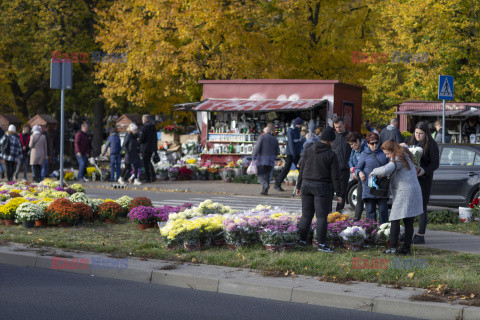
61, 78
445, 92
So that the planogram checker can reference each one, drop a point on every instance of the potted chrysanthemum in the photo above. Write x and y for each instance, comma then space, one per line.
27, 213
143, 215
272, 238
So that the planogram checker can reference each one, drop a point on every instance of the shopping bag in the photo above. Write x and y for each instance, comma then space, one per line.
252, 168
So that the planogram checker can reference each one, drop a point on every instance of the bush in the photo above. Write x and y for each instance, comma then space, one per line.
109, 210
84, 211
249, 179
61, 210
443, 217
140, 201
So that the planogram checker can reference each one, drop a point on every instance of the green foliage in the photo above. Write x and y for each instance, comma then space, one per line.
248, 179
443, 217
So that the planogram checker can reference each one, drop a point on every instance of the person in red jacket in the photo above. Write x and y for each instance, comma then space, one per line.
82, 150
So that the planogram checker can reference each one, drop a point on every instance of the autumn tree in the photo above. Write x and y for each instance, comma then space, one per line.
173, 44
424, 39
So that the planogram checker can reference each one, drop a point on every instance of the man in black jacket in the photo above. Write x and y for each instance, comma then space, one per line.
148, 144
265, 154
318, 178
342, 149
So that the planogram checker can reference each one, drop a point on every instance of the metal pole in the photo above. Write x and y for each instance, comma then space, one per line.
62, 109
443, 123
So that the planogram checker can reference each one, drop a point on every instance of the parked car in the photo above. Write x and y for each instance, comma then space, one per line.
456, 182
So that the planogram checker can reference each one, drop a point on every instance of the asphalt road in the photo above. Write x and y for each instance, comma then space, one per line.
178, 198
45, 294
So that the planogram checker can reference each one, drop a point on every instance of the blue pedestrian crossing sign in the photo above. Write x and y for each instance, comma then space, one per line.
445, 88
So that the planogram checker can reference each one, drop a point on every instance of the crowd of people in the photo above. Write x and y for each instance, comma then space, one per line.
329, 157
32, 148
138, 147
24, 149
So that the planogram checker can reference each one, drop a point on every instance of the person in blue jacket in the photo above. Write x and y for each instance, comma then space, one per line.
294, 149
113, 142
372, 157
358, 145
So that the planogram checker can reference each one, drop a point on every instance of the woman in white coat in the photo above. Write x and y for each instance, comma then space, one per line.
406, 193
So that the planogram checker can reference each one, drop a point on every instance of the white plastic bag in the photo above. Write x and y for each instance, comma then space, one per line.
252, 168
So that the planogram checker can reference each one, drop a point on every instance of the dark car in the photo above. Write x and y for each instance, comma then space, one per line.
456, 181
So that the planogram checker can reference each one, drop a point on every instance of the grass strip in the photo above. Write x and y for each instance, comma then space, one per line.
457, 271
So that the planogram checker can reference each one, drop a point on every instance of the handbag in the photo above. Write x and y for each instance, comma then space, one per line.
252, 168
156, 158
383, 184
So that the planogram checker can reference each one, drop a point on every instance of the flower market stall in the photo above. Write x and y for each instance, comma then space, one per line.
234, 112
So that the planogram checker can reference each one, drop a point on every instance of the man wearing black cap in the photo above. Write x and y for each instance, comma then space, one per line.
317, 179
294, 147
342, 149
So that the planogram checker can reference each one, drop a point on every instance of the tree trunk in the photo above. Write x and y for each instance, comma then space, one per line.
99, 112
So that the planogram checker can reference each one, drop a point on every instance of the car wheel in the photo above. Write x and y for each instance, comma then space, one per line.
352, 196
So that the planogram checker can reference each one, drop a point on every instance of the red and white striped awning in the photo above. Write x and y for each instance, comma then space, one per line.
245, 105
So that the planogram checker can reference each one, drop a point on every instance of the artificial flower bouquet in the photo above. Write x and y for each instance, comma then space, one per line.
371, 228
190, 147
162, 170
353, 237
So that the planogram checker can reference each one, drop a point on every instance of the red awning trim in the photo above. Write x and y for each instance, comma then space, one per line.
256, 105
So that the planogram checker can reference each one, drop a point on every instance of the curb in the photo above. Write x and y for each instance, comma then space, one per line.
362, 296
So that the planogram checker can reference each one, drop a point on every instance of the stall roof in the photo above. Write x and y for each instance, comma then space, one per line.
434, 108
431, 113
246, 105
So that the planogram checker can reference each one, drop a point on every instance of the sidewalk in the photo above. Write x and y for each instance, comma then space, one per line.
201, 186
300, 289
